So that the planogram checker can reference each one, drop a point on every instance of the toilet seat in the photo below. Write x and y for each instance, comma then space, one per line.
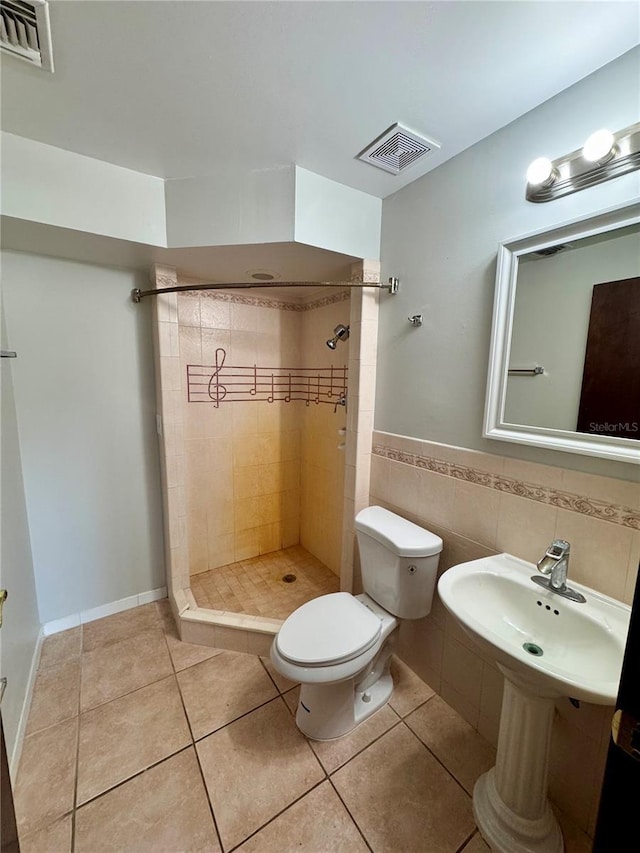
328, 630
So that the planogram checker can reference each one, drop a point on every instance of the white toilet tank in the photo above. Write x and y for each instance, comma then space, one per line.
399, 562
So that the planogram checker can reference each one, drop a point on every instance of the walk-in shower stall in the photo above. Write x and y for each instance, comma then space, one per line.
265, 403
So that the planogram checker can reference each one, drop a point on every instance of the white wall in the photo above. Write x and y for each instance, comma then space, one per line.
233, 207
550, 326
56, 187
237, 206
335, 217
21, 625
84, 390
440, 237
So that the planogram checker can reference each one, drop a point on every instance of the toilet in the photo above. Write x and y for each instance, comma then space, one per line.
339, 646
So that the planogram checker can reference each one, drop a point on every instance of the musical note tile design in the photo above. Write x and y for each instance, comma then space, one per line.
220, 383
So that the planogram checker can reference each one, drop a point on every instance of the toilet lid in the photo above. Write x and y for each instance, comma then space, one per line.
327, 630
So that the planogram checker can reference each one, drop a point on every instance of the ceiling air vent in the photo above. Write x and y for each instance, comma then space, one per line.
397, 149
25, 32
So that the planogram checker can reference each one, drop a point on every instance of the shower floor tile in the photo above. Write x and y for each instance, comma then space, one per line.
256, 586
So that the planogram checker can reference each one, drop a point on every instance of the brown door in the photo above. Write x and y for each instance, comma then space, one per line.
617, 817
8, 830
610, 398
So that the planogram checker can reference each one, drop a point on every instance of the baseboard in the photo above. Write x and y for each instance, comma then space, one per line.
16, 752
94, 613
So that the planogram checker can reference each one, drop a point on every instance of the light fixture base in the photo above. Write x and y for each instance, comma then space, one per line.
577, 173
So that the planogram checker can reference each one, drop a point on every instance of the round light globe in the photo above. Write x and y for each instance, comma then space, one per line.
599, 146
540, 172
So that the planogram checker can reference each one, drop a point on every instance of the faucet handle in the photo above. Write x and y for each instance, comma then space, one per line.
559, 548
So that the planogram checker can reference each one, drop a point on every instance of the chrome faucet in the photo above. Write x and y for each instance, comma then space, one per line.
555, 563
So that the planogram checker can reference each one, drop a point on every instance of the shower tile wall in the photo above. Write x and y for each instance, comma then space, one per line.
243, 460
323, 461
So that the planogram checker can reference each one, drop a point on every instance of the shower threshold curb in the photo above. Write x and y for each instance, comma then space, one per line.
235, 632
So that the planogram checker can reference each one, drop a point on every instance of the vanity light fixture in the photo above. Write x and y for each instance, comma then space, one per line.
605, 155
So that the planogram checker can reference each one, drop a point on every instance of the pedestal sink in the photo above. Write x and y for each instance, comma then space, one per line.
546, 647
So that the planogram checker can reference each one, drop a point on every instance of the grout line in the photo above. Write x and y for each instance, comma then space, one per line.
309, 744
346, 808
160, 629
364, 748
77, 761
325, 775
89, 710
101, 704
208, 796
128, 693
193, 745
408, 714
177, 752
464, 843
235, 719
184, 707
440, 762
275, 816
51, 725
269, 674
173, 666
134, 776
148, 629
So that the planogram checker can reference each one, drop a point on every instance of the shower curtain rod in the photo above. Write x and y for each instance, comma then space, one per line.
390, 287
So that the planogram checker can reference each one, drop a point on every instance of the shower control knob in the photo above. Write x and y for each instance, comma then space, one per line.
412, 570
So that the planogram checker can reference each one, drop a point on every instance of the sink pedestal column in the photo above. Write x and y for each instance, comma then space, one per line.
510, 802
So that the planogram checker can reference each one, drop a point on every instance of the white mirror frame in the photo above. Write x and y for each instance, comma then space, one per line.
621, 449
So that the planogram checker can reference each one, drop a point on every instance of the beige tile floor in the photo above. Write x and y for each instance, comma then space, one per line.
256, 587
197, 750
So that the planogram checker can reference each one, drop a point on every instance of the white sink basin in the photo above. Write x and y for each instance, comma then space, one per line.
582, 645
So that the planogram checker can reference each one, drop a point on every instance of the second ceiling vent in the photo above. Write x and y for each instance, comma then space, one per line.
397, 149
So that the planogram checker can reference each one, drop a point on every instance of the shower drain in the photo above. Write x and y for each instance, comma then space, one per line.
289, 578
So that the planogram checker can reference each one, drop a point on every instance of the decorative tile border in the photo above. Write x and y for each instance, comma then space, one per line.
280, 304
602, 510
340, 296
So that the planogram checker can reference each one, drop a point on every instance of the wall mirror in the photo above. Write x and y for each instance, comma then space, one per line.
564, 367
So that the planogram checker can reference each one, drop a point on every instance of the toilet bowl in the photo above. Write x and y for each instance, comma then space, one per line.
339, 646
332, 645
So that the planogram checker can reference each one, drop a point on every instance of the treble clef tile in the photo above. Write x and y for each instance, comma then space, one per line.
220, 391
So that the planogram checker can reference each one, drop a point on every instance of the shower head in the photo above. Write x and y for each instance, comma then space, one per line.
341, 333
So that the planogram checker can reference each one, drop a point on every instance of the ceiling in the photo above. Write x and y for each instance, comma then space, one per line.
184, 89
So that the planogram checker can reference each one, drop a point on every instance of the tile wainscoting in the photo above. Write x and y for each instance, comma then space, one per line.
482, 504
